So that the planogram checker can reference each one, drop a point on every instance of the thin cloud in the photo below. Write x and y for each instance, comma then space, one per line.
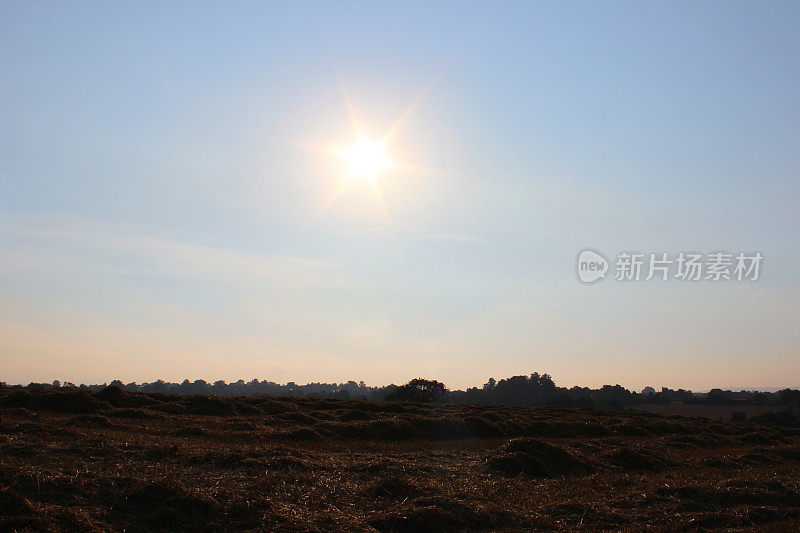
49, 242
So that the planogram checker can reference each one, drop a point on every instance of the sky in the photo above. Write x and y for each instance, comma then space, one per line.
170, 206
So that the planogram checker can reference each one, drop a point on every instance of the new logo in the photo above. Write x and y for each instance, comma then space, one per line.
591, 266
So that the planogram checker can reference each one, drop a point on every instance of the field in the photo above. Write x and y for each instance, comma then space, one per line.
722, 412
72, 460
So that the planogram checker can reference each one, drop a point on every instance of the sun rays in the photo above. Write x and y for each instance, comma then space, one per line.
368, 160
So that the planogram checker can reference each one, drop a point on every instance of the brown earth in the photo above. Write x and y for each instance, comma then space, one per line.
116, 460
722, 412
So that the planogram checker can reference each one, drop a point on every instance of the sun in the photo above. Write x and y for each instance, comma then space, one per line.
368, 159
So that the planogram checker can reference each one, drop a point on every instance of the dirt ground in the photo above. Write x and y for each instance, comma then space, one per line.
115, 460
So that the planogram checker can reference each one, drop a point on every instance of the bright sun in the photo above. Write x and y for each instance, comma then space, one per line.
367, 159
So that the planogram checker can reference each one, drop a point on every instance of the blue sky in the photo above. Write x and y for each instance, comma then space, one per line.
159, 217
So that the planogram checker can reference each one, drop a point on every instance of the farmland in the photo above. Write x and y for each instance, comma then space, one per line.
112, 460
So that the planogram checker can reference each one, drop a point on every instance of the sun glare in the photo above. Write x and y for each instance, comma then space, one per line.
368, 159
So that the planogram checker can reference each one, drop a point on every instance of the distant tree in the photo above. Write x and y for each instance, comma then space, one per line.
351, 386
613, 397
379, 394
419, 390
715, 396
547, 385
518, 390
200, 387
159, 386
790, 397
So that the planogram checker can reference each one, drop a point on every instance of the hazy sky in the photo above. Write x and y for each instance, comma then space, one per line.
160, 216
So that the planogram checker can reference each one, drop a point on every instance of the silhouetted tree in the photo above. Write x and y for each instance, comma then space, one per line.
532, 389
715, 396
419, 390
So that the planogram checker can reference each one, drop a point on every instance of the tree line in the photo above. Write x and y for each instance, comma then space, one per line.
522, 390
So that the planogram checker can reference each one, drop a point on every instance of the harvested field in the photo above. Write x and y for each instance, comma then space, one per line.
117, 460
